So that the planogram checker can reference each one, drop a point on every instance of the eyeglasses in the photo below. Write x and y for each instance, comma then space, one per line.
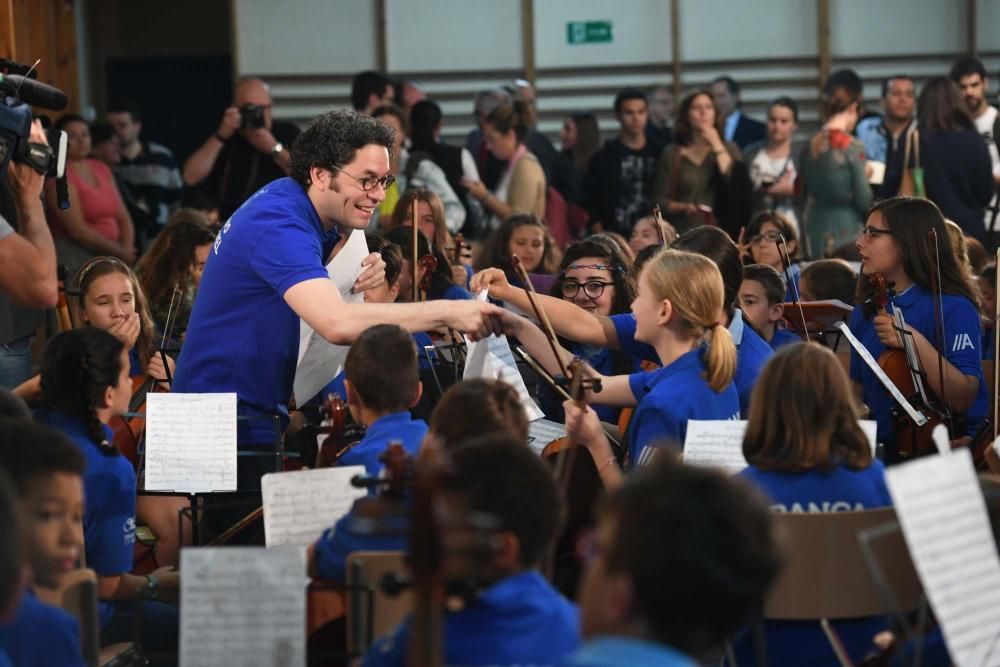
871, 232
368, 183
592, 288
770, 237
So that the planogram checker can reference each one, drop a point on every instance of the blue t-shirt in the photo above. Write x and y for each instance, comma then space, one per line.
668, 397
242, 336
521, 620
752, 352
962, 350
40, 635
627, 652
783, 337
396, 426
602, 360
839, 490
792, 289
336, 543
452, 293
109, 514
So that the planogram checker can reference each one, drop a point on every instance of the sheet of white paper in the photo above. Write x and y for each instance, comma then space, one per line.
191, 442
877, 171
319, 360
717, 443
542, 431
947, 530
491, 358
299, 506
243, 606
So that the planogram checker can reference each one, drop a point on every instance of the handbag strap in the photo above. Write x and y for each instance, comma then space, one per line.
915, 134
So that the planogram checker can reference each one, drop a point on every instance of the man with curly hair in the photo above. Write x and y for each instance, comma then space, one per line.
266, 271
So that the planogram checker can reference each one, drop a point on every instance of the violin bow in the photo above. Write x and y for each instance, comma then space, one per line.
786, 262
543, 319
658, 219
932, 238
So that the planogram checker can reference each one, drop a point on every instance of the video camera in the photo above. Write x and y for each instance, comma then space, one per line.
17, 91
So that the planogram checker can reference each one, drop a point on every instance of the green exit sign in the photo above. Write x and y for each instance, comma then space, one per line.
588, 32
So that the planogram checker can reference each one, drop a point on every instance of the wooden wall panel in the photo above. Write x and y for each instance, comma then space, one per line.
43, 29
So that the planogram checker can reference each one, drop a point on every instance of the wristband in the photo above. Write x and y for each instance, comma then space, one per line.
604, 465
220, 137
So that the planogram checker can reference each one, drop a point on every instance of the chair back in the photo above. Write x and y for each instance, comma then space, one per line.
371, 612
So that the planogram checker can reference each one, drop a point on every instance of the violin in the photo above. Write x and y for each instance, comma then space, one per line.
129, 430
342, 434
911, 440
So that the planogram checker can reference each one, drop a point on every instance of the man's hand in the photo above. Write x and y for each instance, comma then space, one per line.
262, 140
475, 319
25, 182
126, 330
373, 274
230, 123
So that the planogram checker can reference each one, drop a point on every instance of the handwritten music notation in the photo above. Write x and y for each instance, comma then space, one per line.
243, 606
300, 505
947, 530
191, 442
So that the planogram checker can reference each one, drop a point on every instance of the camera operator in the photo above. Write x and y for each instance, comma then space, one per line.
247, 152
27, 266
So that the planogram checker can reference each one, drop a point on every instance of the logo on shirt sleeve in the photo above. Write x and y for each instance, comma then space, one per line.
129, 530
962, 342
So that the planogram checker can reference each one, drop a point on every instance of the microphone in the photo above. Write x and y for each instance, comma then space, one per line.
34, 92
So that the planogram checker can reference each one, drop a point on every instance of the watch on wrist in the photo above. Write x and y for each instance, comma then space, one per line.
278, 147
151, 590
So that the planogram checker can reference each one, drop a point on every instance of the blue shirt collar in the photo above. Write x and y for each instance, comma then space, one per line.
514, 586
731, 122
628, 652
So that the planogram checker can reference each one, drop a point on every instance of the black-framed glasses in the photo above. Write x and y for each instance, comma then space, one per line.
368, 183
593, 289
870, 232
770, 237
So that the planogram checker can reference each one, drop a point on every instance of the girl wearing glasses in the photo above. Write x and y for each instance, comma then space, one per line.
594, 276
759, 241
894, 243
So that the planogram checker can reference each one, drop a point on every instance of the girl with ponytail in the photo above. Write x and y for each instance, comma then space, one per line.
680, 296
85, 382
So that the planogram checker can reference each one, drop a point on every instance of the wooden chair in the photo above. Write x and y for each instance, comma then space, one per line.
828, 568
371, 612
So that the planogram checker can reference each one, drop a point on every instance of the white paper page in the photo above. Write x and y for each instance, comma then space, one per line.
299, 506
716, 442
543, 431
191, 442
947, 530
491, 358
719, 443
243, 606
319, 360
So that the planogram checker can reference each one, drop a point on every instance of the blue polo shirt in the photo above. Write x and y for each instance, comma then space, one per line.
962, 345
521, 620
109, 514
40, 635
839, 490
396, 426
451, 293
331, 550
627, 652
602, 360
242, 336
752, 352
783, 337
668, 397
796, 274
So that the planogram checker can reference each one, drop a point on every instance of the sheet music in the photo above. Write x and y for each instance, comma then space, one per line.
491, 358
947, 530
319, 360
243, 606
299, 506
191, 442
866, 356
716, 442
542, 431
719, 442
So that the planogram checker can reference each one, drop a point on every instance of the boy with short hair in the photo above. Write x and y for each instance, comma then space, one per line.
382, 383
516, 617
762, 298
47, 470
